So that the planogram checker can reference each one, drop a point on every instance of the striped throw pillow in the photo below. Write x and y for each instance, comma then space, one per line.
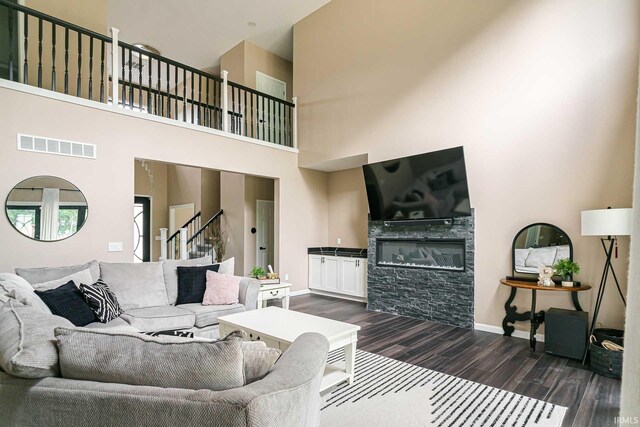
102, 301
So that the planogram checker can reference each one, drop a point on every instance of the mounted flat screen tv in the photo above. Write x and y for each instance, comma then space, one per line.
421, 187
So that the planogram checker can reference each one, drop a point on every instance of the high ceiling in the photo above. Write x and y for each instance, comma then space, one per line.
197, 32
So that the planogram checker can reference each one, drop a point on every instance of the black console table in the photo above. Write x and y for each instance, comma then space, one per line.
536, 319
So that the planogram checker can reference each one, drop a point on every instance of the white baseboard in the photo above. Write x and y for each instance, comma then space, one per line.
300, 292
498, 330
337, 295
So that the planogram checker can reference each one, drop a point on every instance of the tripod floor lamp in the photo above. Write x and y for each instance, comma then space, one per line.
610, 223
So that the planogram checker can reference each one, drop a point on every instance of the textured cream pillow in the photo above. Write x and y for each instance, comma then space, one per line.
258, 360
79, 278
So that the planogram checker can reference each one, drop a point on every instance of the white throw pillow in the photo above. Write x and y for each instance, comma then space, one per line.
227, 266
81, 277
15, 287
562, 252
521, 256
541, 257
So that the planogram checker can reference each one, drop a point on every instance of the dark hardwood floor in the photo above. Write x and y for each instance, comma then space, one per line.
491, 359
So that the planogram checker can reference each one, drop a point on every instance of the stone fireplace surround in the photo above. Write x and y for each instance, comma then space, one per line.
430, 294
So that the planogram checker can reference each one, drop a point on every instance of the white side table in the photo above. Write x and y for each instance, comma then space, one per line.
278, 291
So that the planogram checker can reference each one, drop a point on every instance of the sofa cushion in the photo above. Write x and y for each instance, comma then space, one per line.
258, 360
192, 283
67, 301
163, 318
228, 266
221, 289
27, 342
208, 314
14, 286
541, 257
116, 325
77, 278
45, 274
136, 285
170, 272
139, 359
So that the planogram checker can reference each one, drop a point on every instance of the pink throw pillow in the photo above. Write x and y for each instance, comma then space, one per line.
221, 289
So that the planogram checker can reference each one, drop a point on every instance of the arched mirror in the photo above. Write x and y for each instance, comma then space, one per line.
46, 208
539, 245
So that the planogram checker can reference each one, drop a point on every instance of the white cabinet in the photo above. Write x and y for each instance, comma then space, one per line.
340, 275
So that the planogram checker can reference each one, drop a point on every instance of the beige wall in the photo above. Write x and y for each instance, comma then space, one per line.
540, 94
184, 186
210, 193
255, 188
108, 182
232, 202
158, 192
347, 209
243, 60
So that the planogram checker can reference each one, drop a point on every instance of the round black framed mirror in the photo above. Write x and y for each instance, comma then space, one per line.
539, 245
46, 208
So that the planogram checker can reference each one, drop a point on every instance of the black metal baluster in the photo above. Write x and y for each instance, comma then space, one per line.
39, 51
102, 49
140, 80
207, 111
262, 118
270, 139
158, 96
290, 126
53, 56
245, 113
184, 94
10, 27
79, 81
175, 87
199, 99
252, 113
130, 79
149, 105
124, 88
26, 46
192, 98
66, 60
233, 109
90, 68
168, 91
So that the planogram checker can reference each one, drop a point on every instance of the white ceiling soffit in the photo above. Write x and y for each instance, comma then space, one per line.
343, 163
198, 32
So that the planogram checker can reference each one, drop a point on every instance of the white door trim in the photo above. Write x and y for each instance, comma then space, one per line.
152, 237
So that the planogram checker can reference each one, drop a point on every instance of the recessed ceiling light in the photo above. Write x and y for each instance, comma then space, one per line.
251, 24
145, 47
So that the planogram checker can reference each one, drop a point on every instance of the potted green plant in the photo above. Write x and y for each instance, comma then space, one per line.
566, 268
258, 273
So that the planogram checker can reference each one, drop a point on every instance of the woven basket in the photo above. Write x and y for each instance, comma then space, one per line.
605, 362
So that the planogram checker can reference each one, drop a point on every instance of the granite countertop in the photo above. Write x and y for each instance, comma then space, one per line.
335, 251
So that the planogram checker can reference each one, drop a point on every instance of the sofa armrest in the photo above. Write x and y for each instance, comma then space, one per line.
287, 397
248, 296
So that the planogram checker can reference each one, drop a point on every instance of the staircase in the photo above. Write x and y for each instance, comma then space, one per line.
194, 240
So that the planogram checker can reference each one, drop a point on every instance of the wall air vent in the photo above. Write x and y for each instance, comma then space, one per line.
41, 144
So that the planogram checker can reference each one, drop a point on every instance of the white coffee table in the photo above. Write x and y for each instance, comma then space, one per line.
278, 328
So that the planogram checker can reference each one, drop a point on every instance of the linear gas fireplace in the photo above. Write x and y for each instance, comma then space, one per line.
421, 253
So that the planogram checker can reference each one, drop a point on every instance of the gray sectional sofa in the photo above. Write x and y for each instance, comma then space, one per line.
147, 292
38, 392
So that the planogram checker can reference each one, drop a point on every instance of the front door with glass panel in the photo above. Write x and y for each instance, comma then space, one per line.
142, 229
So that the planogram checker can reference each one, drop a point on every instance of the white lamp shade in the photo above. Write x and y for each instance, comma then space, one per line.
607, 222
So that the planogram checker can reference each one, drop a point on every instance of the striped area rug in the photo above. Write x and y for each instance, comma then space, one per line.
387, 392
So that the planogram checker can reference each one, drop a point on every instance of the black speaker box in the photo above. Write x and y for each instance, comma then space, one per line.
565, 332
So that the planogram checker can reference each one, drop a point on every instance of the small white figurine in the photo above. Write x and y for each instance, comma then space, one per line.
545, 276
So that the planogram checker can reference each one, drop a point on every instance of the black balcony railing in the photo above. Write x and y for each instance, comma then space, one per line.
40, 50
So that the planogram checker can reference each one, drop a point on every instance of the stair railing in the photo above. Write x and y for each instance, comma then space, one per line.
173, 242
204, 242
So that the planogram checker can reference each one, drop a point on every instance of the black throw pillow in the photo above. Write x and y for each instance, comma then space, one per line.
67, 301
192, 282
